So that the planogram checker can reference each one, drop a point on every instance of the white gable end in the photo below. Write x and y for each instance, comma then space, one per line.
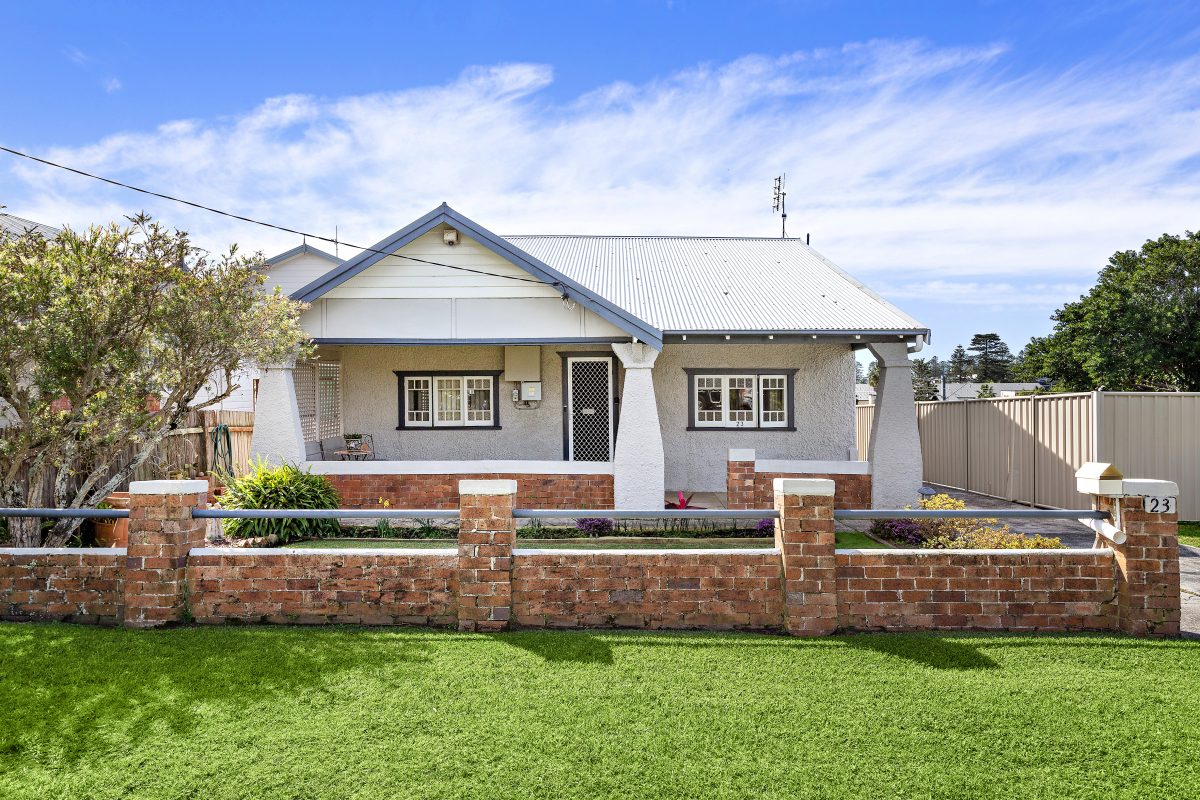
489, 298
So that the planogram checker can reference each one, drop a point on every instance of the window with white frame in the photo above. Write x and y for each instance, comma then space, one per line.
448, 401
740, 400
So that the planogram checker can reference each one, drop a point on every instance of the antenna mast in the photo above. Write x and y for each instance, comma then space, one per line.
781, 202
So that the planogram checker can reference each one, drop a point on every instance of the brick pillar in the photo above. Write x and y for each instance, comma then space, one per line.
1148, 602
161, 534
487, 533
739, 479
804, 536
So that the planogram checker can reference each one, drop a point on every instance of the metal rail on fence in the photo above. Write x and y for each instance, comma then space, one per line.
609, 513
325, 513
969, 513
66, 513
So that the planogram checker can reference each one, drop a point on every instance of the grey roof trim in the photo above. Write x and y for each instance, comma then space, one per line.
300, 250
444, 213
891, 332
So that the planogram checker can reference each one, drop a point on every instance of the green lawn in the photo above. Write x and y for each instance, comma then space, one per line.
1189, 533
844, 539
260, 712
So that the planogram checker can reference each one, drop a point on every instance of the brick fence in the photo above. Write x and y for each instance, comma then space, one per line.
441, 491
801, 586
751, 484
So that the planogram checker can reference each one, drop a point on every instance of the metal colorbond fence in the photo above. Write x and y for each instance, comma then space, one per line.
1027, 449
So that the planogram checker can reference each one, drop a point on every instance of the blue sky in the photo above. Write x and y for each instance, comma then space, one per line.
976, 163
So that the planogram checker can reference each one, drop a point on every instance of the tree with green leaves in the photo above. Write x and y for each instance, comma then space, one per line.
1137, 329
991, 358
94, 326
873, 375
960, 367
925, 382
985, 390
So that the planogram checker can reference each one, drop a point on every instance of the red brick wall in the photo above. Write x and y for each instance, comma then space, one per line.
1148, 566
162, 532
850, 491
1052, 591
441, 491
651, 590
71, 587
317, 588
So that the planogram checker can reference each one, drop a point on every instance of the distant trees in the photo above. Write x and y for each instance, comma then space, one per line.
1137, 329
991, 359
925, 382
959, 369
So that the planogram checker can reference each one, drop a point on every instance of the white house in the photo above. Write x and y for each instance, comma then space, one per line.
569, 361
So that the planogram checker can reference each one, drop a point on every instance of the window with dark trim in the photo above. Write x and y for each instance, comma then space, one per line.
734, 399
447, 400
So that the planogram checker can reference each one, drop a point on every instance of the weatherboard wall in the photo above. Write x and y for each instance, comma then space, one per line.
400, 298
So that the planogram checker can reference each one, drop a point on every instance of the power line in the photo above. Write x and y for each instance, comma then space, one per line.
334, 241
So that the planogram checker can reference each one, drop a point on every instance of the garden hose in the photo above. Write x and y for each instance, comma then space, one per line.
222, 448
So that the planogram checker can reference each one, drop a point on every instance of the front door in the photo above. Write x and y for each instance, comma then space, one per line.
588, 409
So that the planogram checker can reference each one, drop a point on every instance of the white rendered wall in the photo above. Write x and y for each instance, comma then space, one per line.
370, 403
695, 460
823, 403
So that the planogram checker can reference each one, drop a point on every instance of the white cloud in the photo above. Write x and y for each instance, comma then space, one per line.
902, 159
111, 85
76, 56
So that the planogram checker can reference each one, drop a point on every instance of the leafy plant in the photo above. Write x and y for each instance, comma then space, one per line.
107, 337
957, 533
599, 526
682, 502
287, 486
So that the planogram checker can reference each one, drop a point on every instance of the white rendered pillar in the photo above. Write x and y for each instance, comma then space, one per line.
639, 466
277, 436
895, 448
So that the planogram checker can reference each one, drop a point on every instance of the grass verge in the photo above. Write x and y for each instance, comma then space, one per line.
1189, 534
366, 713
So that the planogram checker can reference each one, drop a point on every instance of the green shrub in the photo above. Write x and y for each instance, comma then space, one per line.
287, 486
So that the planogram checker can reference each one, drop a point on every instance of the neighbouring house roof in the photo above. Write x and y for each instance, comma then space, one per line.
970, 391
653, 286
15, 226
864, 393
299, 250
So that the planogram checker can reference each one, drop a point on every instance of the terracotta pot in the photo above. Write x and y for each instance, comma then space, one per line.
113, 532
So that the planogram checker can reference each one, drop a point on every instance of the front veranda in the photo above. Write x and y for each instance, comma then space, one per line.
586, 424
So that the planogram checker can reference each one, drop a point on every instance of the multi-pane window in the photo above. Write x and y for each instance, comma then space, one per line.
448, 401
740, 401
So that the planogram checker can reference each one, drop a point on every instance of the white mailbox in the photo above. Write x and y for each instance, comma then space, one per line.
531, 390
1096, 477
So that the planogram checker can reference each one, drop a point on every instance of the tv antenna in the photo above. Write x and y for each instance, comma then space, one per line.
781, 202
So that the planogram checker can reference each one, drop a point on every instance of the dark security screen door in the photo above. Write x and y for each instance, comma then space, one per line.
589, 408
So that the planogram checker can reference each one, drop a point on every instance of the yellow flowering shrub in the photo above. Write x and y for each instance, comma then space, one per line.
973, 533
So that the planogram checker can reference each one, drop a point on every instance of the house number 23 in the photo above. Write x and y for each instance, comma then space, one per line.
1159, 505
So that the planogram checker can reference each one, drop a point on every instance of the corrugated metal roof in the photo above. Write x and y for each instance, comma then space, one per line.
16, 226
702, 284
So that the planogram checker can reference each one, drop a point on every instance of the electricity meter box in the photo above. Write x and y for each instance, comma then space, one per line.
531, 390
